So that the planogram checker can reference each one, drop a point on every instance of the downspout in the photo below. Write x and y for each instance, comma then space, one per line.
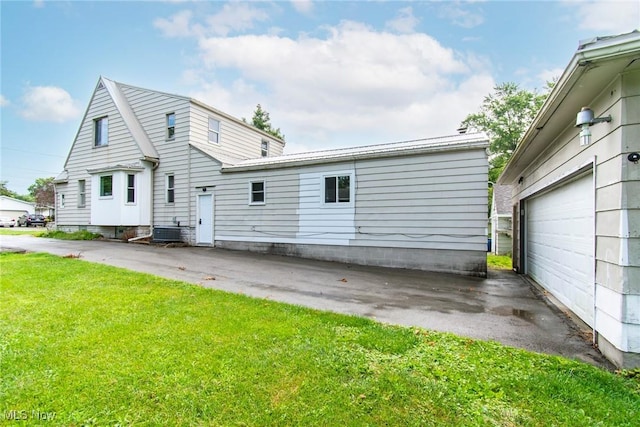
156, 163
594, 332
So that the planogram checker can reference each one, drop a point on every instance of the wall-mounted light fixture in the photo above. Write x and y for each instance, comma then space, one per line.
585, 119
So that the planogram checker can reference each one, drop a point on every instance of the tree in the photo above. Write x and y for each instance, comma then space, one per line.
43, 192
505, 115
4, 191
262, 121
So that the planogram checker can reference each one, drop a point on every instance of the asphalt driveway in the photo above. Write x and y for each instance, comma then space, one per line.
503, 307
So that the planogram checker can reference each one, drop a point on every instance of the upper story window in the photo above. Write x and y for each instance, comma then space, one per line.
265, 148
131, 188
82, 193
214, 130
62, 200
170, 184
171, 125
337, 189
101, 132
256, 193
106, 186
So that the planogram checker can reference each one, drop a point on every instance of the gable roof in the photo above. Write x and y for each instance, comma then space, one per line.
446, 143
502, 199
593, 66
130, 119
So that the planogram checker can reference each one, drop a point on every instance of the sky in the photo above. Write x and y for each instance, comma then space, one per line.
330, 73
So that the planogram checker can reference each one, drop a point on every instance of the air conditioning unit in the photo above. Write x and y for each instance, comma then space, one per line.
167, 234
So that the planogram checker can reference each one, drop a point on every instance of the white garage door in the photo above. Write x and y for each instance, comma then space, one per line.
560, 244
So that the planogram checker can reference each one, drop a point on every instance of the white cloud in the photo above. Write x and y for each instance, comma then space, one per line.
48, 104
179, 25
355, 86
404, 22
302, 6
3, 101
235, 17
460, 14
607, 17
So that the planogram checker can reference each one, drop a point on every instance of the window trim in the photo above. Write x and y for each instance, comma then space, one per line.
337, 203
264, 148
252, 202
130, 188
82, 193
215, 131
62, 201
170, 190
96, 126
105, 196
171, 130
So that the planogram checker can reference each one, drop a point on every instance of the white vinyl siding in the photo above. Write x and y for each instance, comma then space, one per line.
431, 201
151, 110
238, 140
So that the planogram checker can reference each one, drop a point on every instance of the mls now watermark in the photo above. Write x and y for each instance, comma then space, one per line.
23, 415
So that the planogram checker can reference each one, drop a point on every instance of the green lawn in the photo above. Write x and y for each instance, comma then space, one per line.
97, 345
499, 262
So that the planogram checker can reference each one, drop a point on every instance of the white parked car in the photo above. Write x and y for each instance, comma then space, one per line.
7, 222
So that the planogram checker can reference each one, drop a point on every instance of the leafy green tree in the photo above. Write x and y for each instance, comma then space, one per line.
43, 192
504, 116
4, 191
262, 121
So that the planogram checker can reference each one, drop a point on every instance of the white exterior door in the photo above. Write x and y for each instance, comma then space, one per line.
560, 236
204, 220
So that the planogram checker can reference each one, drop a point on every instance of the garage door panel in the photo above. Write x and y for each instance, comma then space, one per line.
560, 242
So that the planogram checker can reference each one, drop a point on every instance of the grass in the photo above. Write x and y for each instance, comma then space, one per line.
63, 235
499, 262
98, 345
16, 231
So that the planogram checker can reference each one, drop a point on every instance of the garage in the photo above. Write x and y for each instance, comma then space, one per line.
560, 243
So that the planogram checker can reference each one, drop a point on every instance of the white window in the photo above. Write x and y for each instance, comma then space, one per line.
214, 130
257, 192
106, 186
131, 188
82, 193
171, 125
61, 200
337, 189
101, 132
170, 188
265, 148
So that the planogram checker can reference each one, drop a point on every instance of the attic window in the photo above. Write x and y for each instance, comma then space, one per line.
100, 85
265, 148
171, 125
101, 132
214, 130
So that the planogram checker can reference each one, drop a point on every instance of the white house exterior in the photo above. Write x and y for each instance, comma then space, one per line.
577, 231
13, 208
153, 163
501, 242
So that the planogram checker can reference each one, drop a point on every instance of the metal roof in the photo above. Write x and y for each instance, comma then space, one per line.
444, 143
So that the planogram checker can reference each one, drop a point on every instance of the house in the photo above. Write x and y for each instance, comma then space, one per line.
13, 208
576, 194
501, 220
147, 163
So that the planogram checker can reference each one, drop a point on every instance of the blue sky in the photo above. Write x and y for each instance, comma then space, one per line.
330, 73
